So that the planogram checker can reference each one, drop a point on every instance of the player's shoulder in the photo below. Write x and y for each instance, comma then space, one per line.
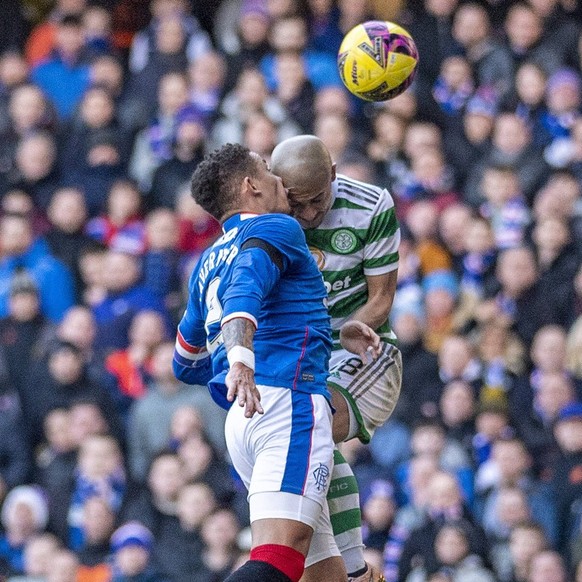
275, 226
361, 194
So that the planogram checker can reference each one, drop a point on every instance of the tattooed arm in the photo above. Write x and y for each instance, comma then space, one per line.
240, 380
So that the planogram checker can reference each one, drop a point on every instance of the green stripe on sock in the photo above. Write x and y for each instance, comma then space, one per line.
346, 520
342, 486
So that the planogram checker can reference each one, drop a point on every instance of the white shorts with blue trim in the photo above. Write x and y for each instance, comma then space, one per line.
285, 458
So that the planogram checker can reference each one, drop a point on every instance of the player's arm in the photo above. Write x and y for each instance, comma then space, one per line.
256, 270
381, 290
380, 263
191, 362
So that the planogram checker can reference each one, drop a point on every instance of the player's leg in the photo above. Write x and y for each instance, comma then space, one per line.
324, 561
284, 457
364, 396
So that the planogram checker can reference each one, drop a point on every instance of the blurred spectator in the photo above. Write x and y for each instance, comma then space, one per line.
511, 145
378, 511
526, 540
35, 169
150, 418
504, 206
335, 132
547, 565
435, 21
512, 464
294, 90
454, 560
132, 546
202, 462
99, 472
453, 87
457, 411
23, 332
22, 253
260, 135
42, 39
95, 117
554, 391
55, 465
179, 547
246, 40
121, 228
249, 96
27, 111
59, 380
490, 60
172, 174
98, 525
524, 30
445, 506
15, 454
220, 553
38, 552
528, 100
520, 303
67, 213
511, 509
558, 260
97, 32
132, 367
385, 148
24, 514
468, 140
168, 57
197, 229
196, 41
64, 77
153, 145
565, 484
161, 262
63, 567
124, 298
290, 34
207, 76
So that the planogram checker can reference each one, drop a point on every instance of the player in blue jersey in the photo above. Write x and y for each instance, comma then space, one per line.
256, 329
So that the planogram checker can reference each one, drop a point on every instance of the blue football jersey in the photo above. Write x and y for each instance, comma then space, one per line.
262, 270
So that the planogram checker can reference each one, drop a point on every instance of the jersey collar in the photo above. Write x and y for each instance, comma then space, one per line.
234, 220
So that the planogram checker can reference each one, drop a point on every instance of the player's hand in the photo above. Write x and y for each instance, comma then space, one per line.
240, 382
360, 339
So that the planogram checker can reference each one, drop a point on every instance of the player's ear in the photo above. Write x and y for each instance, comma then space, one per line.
333, 171
249, 187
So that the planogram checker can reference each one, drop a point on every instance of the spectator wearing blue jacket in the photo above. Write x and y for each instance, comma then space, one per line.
21, 252
63, 77
124, 298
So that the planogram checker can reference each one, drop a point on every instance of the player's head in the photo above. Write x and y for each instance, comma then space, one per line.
233, 179
304, 164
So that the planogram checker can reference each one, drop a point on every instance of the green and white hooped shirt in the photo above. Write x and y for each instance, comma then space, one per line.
359, 236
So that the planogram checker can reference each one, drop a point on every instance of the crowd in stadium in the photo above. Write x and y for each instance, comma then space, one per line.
111, 469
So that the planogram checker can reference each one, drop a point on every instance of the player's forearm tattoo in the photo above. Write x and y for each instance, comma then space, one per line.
238, 332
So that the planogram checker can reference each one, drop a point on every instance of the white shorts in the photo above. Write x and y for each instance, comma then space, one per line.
284, 456
371, 389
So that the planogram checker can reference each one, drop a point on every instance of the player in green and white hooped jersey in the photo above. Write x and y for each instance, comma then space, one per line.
353, 234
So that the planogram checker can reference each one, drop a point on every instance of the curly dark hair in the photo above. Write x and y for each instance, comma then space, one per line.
216, 180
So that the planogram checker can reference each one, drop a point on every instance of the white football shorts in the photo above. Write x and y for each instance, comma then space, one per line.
370, 388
